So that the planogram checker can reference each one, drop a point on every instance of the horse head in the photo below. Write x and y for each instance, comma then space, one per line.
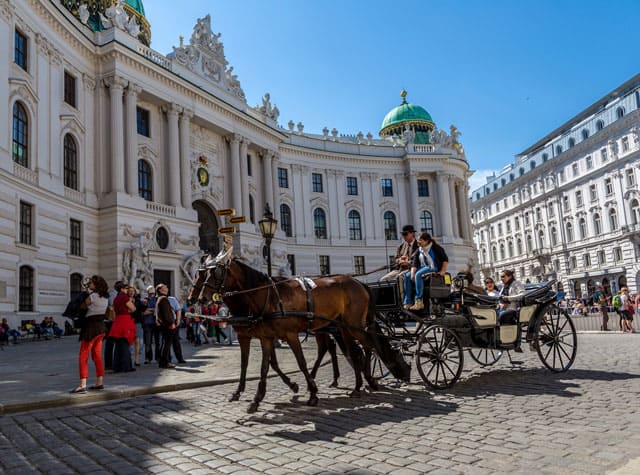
215, 273
201, 275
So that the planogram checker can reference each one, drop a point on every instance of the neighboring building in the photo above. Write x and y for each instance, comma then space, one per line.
569, 208
114, 159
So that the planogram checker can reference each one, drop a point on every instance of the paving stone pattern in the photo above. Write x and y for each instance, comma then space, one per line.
499, 420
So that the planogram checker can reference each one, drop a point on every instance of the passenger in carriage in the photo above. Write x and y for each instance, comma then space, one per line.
490, 287
429, 258
512, 291
406, 249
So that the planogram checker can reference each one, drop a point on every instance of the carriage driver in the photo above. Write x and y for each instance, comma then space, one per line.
405, 251
511, 296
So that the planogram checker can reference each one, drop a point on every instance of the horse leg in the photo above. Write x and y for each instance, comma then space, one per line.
321, 341
368, 371
274, 364
326, 343
267, 350
354, 354
296, 347
245, 346
334, 360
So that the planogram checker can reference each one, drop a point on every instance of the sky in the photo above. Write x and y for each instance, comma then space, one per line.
505, 73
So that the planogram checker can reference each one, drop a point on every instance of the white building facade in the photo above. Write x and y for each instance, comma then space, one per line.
569, 207
115, 159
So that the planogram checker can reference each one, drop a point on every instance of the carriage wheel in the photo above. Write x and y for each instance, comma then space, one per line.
439, 357
378, 369
485, 357
556, 340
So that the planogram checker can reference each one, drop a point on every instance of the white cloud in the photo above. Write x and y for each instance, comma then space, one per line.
479, 178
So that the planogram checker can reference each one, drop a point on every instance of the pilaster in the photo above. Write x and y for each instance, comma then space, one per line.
173, 167
444, 205
244, 176
235, 182
116, 87
132, 138
185, 159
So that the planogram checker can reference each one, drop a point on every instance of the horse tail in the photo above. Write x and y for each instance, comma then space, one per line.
390, 356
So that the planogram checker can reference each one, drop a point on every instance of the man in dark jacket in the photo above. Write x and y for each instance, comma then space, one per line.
166, 320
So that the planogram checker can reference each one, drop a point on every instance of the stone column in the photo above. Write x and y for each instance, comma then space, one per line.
444, 205
406, 208
334, 206
234, 148
297, 190
377, 209
6, 32
267, 173
185, 157
132, 138
89, 113
116, 87
55, 90
368, 182
463, 198
41, 150
414, 213
455, 208
173, 165
244, 177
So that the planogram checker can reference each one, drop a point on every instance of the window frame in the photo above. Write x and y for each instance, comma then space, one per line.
387, 187
352, 186
26, 223
316, 183
423, 187
145, 180
143, 121
21, 50
70, 162
70, 89
20, 135
75, 237
283, 177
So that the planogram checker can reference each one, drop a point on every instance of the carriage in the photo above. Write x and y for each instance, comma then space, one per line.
457, 321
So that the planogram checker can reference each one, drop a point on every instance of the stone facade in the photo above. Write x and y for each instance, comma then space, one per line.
126, 155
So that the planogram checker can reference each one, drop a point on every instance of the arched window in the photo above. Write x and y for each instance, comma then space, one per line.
20, 135
484, 255
320, 223
529, 243
285, 220
145, 180
620, 112
426, 222
252, 210
510, 248
75, 285
521, 171
519, 246
545, 157
494, 253
572, 142
582, 226
541, 239
635, 212
502, 255
70, 162
569, 232
554, 236
25, 290
390, 227
613, 219
597, 224
532, 165
600, 125
558, 149
355, 227
585, 134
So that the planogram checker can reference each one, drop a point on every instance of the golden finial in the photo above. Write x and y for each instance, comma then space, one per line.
403, 94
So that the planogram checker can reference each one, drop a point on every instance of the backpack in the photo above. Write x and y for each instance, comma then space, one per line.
616, 301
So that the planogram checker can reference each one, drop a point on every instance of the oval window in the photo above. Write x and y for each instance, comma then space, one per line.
162, 238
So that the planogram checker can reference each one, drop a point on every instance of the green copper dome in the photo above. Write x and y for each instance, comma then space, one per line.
136, 5
416, 117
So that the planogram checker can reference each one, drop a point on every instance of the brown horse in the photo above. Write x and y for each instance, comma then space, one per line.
280, 309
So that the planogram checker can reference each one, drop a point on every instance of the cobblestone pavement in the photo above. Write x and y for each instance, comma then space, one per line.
500, 420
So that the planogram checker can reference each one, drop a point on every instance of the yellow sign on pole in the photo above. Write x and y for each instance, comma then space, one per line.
226, 212
227, 230
237, 220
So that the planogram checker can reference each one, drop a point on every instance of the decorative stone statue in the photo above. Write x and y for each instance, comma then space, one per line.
84, 13
136, 265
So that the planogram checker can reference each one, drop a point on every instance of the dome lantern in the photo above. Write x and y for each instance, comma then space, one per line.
416, 118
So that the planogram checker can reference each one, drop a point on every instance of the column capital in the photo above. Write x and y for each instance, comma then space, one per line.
6, 10
234, 138
187, 114
89, 82
246, 141
133, 89
172, 109
115, 83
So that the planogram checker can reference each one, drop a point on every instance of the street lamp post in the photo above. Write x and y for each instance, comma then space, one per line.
268, 229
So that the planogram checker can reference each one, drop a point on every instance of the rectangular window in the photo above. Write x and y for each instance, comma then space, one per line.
352, 186
630, 176
617, 254
325, 268
589, 162
497, 207
508, 225
601, 257
551, 210
144, 127
593, 192
603, 154
358, 264
249, 169
69, 89
608, 186
387, 187
291, 259
526, 219
565, 203
423, 187
75, 238
573, 263
20, 50
574, 167
625, 144
586, 259
561, 176
316, 182
578, 198
283, 178
499, 229
26, 223
538, 214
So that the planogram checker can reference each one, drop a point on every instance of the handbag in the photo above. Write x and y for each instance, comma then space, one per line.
111, 314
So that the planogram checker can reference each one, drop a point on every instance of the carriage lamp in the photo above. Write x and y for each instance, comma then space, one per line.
268, 229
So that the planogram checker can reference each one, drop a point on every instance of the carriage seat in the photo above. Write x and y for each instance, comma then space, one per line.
480, 299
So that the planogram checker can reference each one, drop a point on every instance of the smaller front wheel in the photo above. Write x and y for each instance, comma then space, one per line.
377, 367
485, 357
439, 357
555, 339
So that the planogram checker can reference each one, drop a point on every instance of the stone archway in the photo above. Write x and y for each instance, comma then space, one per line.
208, 232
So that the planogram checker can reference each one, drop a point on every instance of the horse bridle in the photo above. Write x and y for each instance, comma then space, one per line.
219, 275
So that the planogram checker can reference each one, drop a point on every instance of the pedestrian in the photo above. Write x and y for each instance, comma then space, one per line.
92, 333
137, 320
150, 331
626, 307
600, 299
167, 317
123, 330
109, 343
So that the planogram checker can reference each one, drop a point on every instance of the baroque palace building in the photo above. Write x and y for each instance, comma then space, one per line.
115, 159
569, 207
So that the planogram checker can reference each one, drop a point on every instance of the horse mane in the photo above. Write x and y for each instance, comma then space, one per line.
254, 278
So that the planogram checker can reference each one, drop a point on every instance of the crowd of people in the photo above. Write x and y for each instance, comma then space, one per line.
48, 328
116, 325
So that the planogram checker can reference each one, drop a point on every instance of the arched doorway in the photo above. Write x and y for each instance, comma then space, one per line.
576, 290
622, 281
607, 286
591, 287
208, 232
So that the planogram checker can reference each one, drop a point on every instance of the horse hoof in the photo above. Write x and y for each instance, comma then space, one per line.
234, 397
334, 384
374, 386
313, 401
253, 407
355, 393
295, 388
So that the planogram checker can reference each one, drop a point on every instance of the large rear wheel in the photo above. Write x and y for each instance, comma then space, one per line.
439, 357
485, 357
555, 339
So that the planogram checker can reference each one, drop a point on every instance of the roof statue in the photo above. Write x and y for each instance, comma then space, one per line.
204, 56
266, 109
